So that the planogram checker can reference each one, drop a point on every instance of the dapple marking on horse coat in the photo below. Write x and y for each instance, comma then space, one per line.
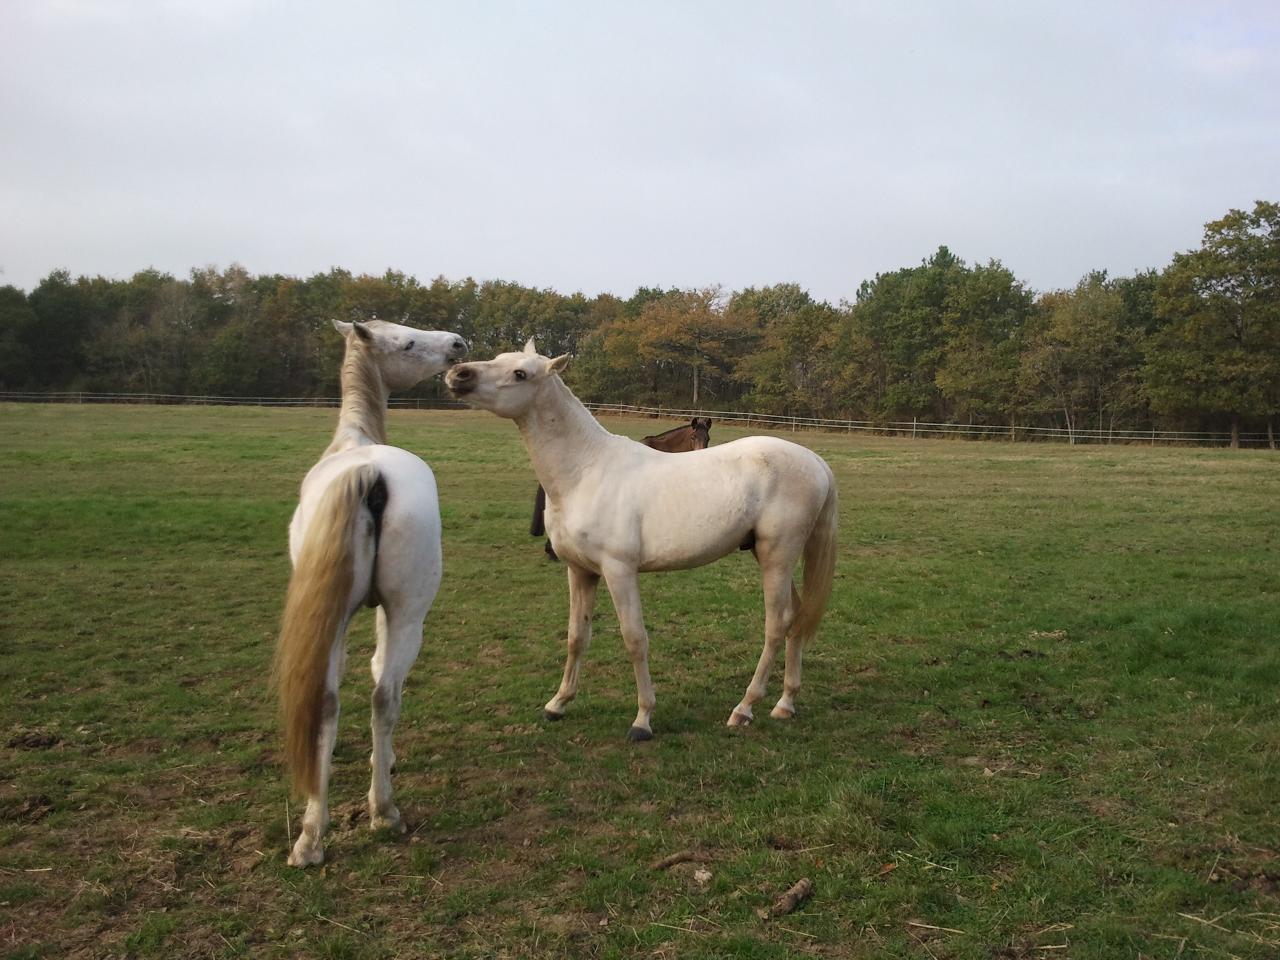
694, 435
366, 531
616, 508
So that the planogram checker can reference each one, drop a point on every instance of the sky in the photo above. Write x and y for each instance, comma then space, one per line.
601, 146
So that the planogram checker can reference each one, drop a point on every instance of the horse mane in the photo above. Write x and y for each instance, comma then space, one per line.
363, 417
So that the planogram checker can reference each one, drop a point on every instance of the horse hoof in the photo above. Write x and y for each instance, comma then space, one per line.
639, 734
551, 716
781, 713
306, 856
737, 719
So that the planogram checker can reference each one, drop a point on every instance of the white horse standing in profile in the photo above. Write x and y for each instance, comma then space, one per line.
366, 531
616, 508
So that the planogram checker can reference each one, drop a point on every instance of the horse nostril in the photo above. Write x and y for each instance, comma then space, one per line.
461, 373
460, 347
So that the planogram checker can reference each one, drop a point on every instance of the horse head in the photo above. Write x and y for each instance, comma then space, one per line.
507, 385
403, 355
700, 437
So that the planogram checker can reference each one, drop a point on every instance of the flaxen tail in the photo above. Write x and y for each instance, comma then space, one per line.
316, 610
819, 569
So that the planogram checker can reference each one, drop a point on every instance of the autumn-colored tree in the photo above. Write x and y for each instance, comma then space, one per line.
691, 332
1079, 360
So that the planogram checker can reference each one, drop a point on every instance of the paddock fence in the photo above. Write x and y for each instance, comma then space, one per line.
896, 428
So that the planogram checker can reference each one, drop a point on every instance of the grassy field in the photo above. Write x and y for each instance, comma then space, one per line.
1040, 719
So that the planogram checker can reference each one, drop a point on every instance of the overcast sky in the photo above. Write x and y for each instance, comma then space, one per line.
606, 145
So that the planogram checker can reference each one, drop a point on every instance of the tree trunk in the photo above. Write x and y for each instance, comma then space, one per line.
1235, 431
1271, 434
695, 386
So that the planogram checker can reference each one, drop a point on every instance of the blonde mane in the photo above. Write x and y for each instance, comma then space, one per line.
363, 417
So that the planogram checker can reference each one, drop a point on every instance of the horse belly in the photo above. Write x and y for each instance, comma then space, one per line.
670, 542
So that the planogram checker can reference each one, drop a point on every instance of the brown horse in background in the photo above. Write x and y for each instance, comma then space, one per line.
694, 435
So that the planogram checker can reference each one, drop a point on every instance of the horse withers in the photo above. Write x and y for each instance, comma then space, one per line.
616, 509
694, 435
366, 532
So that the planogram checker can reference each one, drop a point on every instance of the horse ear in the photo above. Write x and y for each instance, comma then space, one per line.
341, 326
363, 332
694, 423
559, 363
529, 348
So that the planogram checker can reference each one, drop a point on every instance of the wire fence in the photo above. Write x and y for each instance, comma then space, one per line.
898, 428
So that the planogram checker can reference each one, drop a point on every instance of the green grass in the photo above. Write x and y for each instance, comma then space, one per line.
1042, 711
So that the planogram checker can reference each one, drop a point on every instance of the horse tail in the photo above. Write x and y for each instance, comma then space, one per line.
317, 608
819, 567
537, 528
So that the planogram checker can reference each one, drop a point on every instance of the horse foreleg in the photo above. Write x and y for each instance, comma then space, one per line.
308, 849
625, 590
778, 612
399, 640
582, 602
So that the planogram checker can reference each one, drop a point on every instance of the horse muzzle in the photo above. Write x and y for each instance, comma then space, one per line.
458, 349
460, 380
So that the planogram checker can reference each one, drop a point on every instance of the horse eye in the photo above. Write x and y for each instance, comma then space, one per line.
520, 374
409, 345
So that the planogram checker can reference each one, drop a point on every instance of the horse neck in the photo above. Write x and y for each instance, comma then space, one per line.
363, 417
561, 436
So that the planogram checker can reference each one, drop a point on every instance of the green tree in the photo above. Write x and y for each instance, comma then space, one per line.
782, 331
983, 320
898, 339
16, 320
1219, 354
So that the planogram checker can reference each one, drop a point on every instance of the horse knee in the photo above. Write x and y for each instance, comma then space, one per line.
637, 646
386, 702
329, 707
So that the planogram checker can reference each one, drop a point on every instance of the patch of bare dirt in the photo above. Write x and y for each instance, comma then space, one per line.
34, 740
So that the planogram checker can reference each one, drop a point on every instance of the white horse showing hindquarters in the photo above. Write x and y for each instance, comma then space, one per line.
366, 531
616, 508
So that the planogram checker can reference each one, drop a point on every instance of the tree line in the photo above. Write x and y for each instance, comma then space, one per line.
1195, 346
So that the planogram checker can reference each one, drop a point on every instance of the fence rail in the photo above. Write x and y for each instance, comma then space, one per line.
901, 428
178, 399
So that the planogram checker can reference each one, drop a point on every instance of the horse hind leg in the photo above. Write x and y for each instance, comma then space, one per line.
785, 708
399, 640
779, 609
308, 849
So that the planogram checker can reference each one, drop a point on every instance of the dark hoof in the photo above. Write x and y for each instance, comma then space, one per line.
553, 717
639, 734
